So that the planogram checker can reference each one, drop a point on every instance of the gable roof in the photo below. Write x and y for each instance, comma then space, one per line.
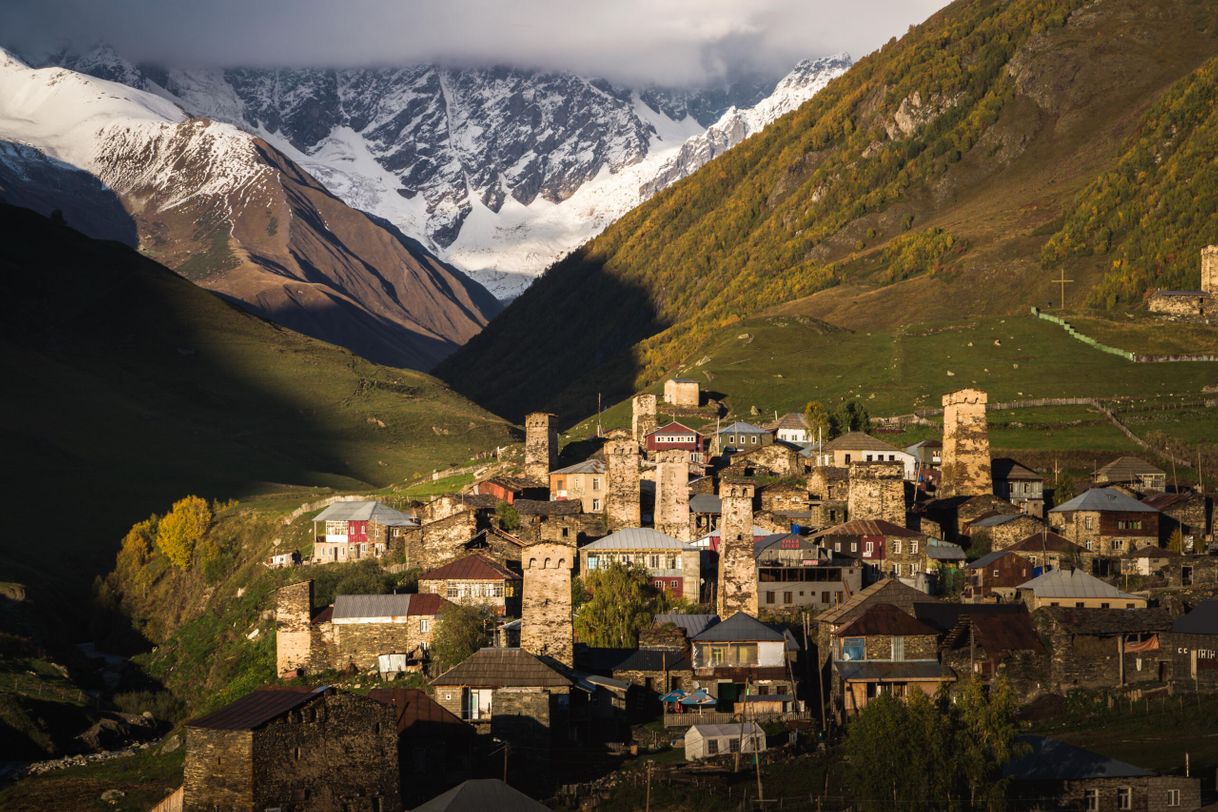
740, 427
705, 503
727, 729
999, 519
674, 427
858, 441
887, 590
692, 625
1163, 501
868, 527
542, 507
472, 567
944, 616
790, 420
1101, 499
1007, 468
1064, 583
413, 706
1124, 469
257, 708
740, 627
364, 512
938, 550
585, 467
503, 668
1046, 759
637, 538
482, 795
384, 608
884, 618
1045, 541
987, 559
1202, 620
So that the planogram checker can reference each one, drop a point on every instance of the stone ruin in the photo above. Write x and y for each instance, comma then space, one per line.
876, 490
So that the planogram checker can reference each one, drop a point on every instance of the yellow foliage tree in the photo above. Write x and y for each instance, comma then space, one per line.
182, 528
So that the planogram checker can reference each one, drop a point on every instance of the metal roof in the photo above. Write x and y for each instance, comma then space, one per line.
585, 467
637, 538
1046, 759
944, 551
742, 428
1007, 468
692, 625
868, 527
257, 708
1073, 584
859, 441
365, 512
739, 627
1123, 469
675, 427
1101, 499
987, 559
732, 729
1002, 518
472, 567
370, 607
481, 795
1202, 620
503, 668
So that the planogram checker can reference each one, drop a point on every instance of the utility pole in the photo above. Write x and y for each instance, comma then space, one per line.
648, 803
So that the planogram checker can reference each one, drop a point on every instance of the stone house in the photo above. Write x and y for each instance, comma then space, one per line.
1005, 529
1191, 304
348, 531
676, 436
792, 427
993, 639
1103, 648
435, 543
856, 446
793, 573
583, 482
673, 566
1134, 472
1147, 561
1189, 512
1056, 775
773, 459
435, 748
704, 511
563, 522
509, 694
385, 633
742, 436
996, 575
887, 548
1047, 550
294, 748
682, 392
884, 650
887, 590
1019, 485
1192, 645
742, 656
784, 498
876, 490
1106, 523
829, 493
475, 580
1077, 589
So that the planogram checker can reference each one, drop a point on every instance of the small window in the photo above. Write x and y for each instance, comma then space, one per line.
596, 505
913, 547
596, 483
853, 648
769, 597
733, 745
786, 597
1173, 797
712, 747
1091, 800
424, 625
896, 547
1124, 798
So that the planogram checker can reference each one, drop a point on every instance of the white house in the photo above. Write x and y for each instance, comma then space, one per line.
855, 446
707, 741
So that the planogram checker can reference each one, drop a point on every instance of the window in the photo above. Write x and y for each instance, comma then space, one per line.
712, 747
1173, 797
733, 745
566, 531
653, 561
898, 648
853, 648
896, 547
592, 562
769, 597
1118, 544
452, 590
424, 625
1091, 800
674, 563
868, 548
753, 439
913, 547
596, 483
786, 597
560, 484
596, 505
746, 654
718, 654
1129, 524
1124, 798
854, 546
825, 597
1087, 522
1089, 545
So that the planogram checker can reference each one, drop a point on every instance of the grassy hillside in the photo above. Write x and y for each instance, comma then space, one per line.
920, 187
127, 387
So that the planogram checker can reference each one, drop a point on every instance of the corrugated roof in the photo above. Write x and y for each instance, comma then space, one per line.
503, 668
1046, 759
257, 708
859, 441
482, 795
1202, 620
364, 512
742, 428
1125, 469
585, 467
1099, 499
869, 527
892, 670
1073, 584
739, 627
884, 618
473, 567
729, 729
426, 605
366, 607
637, 538
1007, 468
692, 625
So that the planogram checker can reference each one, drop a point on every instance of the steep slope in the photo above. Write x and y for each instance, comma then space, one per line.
919, 186
228, 211
127, 387
499, 170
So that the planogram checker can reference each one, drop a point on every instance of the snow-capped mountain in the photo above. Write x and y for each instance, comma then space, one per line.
499, 170
227, 210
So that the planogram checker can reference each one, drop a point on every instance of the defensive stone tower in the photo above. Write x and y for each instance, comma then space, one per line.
876, 491
540, 446
966, 445
622, 475
644, 419
737, 566
672, 494
546, 627
293, 639
1209, 270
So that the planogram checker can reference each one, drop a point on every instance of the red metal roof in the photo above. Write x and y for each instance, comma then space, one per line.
426, 605
472, 567
413, 706
869, 527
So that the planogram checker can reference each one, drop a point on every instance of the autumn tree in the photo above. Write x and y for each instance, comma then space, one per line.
460, 631
817, 417
620, 603
182, 528
985, 737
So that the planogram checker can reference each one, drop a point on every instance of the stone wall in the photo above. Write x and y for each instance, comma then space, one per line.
341, 645
682, 393
780, 497
672, 494
293, 628
917, 647
966, 445
546, 628
622, 507
436, 543
523, 716
1093, 661
737, 589
643, 419
1008, 533
876, 490
774, 459
1179, 305
217, 771
540, 446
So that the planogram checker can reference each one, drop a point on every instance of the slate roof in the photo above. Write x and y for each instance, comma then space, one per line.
1202, 620
257, 708
858, 441
692, 625
503, 668
937, 550
542, 507
637, 538
987, 559
365, 512
1007, 468
1045, 542
1109, 621
945, 616
1151, 551
888, 590
1000, 634
585, 467
1125, 469
705, 503
868, 527
892, 670
472, 567
1163, 501
481, 795
884, 618
414, 707
1051, 760
998, 519
790, 420
1099, 499
650, 659
740, 627
1064, 583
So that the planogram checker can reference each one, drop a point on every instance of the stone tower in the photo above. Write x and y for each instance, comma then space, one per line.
737, 566
876, 490
672, 494
540, 446
966, 445
1209, 269
622, 475
644, 419
293, 619
546, 627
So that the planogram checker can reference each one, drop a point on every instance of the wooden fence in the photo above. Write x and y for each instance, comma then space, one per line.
724, 718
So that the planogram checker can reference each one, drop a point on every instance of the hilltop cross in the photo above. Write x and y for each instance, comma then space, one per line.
1063, 281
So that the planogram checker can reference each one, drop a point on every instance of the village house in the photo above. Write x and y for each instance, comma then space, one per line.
793, 573
1192, 645
1147, 561
1047, 550
564, 521
1052, 774
887, 590
927, 453
741, 436
1187, 511
1135, 473
475, 580
1103, 648
682, 392
672, 566
886, 548
1019, 485
679, 437
385, 633
1005, 529
828, 496
435, 748
884, 650
1106, 523
583, 482
741, 656
508, 489
1077, 589
293, 748
996, 575
708, 741
993, 639
704, 510
347, 531
856, 446
792, 427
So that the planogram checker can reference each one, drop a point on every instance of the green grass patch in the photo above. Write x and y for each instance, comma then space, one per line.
145, 778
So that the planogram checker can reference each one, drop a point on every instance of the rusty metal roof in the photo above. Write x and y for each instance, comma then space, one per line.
472, 567
869, 527
257, 708
413, 706
503, 668
884, 618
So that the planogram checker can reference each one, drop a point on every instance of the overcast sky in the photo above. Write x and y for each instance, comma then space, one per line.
638, 41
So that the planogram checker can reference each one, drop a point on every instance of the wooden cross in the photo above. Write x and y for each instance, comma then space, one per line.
1063, 281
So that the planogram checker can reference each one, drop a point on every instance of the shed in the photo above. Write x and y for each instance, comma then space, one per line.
707, 741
